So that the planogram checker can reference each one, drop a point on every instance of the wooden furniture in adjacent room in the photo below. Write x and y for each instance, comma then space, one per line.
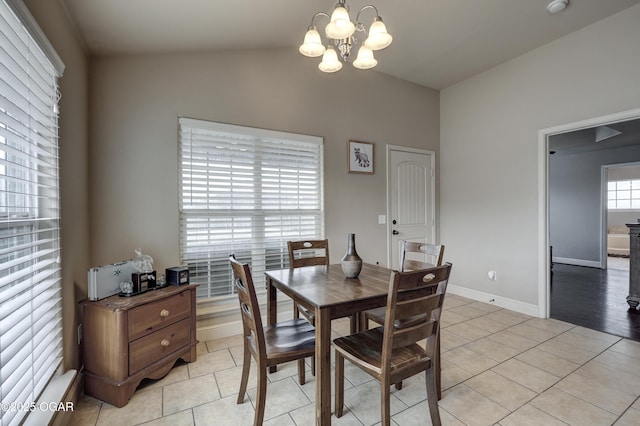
127, 339
272, 345
326, 291
633, 299
391, 353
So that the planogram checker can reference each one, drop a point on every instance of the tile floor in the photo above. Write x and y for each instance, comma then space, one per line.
499, 367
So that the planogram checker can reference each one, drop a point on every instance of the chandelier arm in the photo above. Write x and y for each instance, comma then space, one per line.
362, 9
313, 18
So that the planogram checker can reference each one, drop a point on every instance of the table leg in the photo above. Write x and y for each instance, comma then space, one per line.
323, 368
272, 311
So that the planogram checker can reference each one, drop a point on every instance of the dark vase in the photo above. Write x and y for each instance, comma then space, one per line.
351, 262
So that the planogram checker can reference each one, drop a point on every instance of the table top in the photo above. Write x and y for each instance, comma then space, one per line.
326, 286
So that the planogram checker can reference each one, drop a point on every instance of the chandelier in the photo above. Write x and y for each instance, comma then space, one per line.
341, 35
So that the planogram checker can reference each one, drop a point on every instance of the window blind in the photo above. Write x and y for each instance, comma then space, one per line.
30, 287
245, 191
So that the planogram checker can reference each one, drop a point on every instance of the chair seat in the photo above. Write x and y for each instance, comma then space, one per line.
290, 338
365, 348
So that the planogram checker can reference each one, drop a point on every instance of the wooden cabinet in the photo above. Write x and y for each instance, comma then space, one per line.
127, 339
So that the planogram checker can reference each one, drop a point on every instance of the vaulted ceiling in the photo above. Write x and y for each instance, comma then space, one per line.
436, 43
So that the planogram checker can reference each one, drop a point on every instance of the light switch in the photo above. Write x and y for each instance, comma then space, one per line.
382, 219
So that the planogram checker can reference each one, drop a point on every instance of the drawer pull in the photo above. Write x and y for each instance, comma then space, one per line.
164, 313
164, 343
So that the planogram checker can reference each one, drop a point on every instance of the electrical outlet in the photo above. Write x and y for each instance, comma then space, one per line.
79, 333
492, 275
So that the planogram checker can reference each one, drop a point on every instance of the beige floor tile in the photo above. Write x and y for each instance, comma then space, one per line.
550, 324
86, 411
414, 390
282, 397
450, 340
283, 420
418, 415
229, 380
468, 331
488, 324
210, 363
501, 390
471, 407
607, 339
627, 347
537, 334
548, 362
144, 406
177, 374
571, 409
494, 350
469, 360
485, 307
182, 418
224, 411
565, 350
629, 418
507, 317
451, 375
604, 395
467, 311
452, 301
224, 343
622, 362
364, 402
529, 415
201, 348
606, 373
590, 342
189, 393
526, 375
513, 340
237, 353
449, 318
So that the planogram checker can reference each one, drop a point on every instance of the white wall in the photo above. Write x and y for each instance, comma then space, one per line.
136, 102
489, 142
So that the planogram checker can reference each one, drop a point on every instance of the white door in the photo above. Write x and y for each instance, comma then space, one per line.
410, 198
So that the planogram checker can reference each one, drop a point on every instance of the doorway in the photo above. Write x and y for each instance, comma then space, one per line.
410, 198
545, 146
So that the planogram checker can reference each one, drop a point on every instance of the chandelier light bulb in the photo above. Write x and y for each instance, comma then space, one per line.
312, 45
330, 62
340, 26
378, 38
365, 59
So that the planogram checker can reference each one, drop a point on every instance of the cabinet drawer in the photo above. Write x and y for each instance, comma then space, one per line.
153, 347
153, 316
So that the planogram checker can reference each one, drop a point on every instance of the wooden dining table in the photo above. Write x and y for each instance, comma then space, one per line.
325, 291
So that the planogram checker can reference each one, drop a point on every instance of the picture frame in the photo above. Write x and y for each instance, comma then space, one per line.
360, 157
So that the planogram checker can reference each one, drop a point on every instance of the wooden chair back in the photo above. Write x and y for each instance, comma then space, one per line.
414, 256
249, 308
414, 305
308, 253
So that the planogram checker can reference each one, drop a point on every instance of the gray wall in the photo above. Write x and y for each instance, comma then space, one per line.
489, 147
575, 200
136, 102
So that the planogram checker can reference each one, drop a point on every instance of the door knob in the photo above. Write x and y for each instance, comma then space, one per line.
395, 232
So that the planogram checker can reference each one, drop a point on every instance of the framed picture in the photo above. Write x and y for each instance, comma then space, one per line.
360, 157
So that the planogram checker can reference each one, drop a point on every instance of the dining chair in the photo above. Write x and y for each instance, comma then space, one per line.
272, 345
391, 353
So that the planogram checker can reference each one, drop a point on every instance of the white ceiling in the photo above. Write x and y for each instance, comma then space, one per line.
436, 43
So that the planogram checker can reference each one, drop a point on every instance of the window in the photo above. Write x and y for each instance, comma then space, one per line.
30, 288
623, 195
245, 191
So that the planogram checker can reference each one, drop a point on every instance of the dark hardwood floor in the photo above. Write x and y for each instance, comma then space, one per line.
594, 298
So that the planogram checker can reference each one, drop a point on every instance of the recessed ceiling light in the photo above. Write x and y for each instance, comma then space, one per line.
557, 6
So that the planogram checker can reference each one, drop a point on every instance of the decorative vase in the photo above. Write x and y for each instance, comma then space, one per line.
351, 262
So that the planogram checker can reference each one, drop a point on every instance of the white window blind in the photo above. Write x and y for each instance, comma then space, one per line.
245, 191
30, 294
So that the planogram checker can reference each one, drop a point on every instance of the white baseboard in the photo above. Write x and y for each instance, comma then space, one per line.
577, 262
229, 329
503, 302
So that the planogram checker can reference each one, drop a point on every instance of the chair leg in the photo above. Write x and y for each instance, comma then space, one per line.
301, 372
313, 366
246, 363
432, 396
385, 402
261, 395
339, 383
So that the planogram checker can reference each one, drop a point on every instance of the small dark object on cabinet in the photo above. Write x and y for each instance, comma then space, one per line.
177, 275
